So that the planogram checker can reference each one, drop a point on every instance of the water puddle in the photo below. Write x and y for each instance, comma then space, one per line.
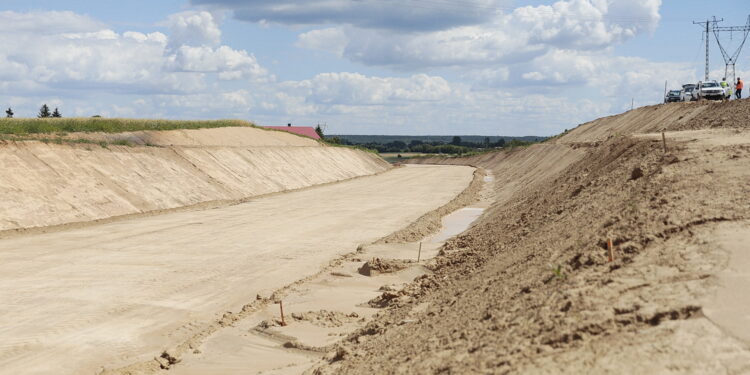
456, 222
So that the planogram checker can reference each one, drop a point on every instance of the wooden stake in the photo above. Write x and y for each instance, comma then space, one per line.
664, 141
281, 307
419, 255
611, 251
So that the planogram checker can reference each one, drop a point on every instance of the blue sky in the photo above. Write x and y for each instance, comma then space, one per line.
488, 67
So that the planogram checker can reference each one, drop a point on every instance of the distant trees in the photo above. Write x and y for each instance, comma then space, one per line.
9, 113
319, 131
449, 145
44, 112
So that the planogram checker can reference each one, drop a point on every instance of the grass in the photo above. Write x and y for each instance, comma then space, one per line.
59, 140
87, 125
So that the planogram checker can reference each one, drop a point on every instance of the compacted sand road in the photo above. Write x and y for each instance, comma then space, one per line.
113, 294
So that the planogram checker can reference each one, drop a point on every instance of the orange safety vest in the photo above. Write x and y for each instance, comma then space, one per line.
740, 84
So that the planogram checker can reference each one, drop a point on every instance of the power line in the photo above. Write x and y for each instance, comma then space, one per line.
707, 24
731, 60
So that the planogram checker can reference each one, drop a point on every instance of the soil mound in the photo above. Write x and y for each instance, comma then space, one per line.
325, 318
533, 288
377, 266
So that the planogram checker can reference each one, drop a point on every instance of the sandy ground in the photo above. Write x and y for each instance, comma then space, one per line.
531, 287
110, 295
321, 311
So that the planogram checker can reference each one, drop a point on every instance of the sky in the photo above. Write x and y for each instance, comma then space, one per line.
409, 67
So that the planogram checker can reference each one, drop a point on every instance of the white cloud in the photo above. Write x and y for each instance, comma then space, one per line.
357, 89
83, 55
521, 35
612, 76
230, 64
46, 23
193, 29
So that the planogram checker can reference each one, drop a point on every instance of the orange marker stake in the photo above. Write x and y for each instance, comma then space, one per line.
611, 251
281, 307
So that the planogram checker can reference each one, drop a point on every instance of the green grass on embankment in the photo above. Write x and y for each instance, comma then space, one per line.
72, 125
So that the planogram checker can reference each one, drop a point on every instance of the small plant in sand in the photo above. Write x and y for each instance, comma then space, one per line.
558, 272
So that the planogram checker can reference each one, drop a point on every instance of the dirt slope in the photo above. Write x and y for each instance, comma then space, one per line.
224, 137
530, 289
517, 168
52, 184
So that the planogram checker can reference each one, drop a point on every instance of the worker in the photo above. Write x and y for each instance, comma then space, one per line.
738, 93
724, 85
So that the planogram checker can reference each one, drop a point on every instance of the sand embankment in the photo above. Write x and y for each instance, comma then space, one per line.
118, 294
531, 287
47, 184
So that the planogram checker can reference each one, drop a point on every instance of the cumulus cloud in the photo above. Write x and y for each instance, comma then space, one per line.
521, 35
377, 14
228, 63
83, 54
47, 22
357, 89
193, 29
609, 75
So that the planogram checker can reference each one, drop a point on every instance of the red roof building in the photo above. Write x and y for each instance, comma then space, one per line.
307, 131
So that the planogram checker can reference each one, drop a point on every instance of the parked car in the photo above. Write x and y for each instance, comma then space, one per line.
689, 92
711, 90
673, 96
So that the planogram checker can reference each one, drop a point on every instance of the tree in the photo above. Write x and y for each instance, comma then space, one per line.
486, 143
9, 113
456, 141
319, 131
44, 112
56, 113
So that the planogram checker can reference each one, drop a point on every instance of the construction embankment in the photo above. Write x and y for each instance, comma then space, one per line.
50, 184
112, 262
616, 247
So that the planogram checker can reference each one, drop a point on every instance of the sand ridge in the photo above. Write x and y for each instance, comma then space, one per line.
51, 184
530, 288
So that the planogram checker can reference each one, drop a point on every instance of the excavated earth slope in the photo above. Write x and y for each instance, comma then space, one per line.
531, 288
47, 184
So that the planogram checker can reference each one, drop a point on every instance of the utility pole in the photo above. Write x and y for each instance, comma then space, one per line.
731, 60
707, 34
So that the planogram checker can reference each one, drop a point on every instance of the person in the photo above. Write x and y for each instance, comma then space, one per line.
724, 85
738, 89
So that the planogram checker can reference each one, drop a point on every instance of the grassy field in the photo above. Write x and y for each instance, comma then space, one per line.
72, 125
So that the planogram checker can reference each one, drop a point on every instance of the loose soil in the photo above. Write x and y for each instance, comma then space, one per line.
531, 289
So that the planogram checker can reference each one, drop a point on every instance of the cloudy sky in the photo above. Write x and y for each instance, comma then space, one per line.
487, 67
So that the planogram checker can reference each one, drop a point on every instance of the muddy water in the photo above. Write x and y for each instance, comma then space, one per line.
459, 220
456, 222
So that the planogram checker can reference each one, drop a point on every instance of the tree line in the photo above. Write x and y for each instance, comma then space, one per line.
44, 112
456, 146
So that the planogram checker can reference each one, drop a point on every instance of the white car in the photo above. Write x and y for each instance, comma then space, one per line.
689, 92
711, 90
